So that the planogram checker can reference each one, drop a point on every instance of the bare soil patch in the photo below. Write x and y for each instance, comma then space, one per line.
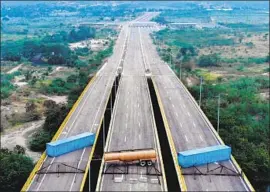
20, 136
259, 48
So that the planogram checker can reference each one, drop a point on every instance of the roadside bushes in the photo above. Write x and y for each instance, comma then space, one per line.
38, 141
15, 168
6, 86
55, 114
244, 122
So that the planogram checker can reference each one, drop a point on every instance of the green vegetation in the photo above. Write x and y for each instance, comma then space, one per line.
244, 122
55, 113
246, 60
194, 37
209, 60
161, 20
15, 167
53, 48
244, 115
6, 85
246, 26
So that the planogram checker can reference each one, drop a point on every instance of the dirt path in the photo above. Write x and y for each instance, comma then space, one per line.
14, 69
57, 99
20, 136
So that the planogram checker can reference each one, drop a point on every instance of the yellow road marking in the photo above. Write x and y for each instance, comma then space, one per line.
219, 138
171, 143
94, 146
56, 136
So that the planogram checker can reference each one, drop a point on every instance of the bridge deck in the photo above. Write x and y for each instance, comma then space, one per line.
132, 125
188, 128
86, 117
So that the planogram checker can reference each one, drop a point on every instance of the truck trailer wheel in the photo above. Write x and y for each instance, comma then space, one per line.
142, 163
149, 163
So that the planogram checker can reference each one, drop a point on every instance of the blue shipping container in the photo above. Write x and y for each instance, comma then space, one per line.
70, 144
203, 156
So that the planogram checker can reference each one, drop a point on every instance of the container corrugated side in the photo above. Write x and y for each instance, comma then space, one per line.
203, 156
70, 144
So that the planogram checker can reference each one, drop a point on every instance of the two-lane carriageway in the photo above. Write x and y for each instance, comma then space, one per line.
85, 116
188, 128
133, 125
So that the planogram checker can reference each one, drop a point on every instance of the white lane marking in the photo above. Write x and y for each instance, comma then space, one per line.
184, 105
181, 125
73, 181
127, 106
125, 138
139, 136
186, 138
188, 113
173, 105
103, 98
201, 138
194, 124
176, 114
119, 179
170, 98
130, 187
76, 117
139, 124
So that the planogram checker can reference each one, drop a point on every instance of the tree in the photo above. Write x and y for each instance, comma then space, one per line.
72, 78
209, 60
15, 169
49, 104
38, 140
54, 118
31, 112
28, 75
19, 149
30, 106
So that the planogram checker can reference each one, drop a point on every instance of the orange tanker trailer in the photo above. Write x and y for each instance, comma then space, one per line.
144, 156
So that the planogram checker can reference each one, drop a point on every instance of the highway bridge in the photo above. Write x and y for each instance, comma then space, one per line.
188, 128
132, 125
86, 115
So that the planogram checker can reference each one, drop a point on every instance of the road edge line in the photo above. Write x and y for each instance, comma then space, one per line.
109, 134
56, 136
218, 137
181, 179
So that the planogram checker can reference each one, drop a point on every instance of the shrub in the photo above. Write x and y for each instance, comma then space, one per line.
14, 168
38, 141
209, 60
